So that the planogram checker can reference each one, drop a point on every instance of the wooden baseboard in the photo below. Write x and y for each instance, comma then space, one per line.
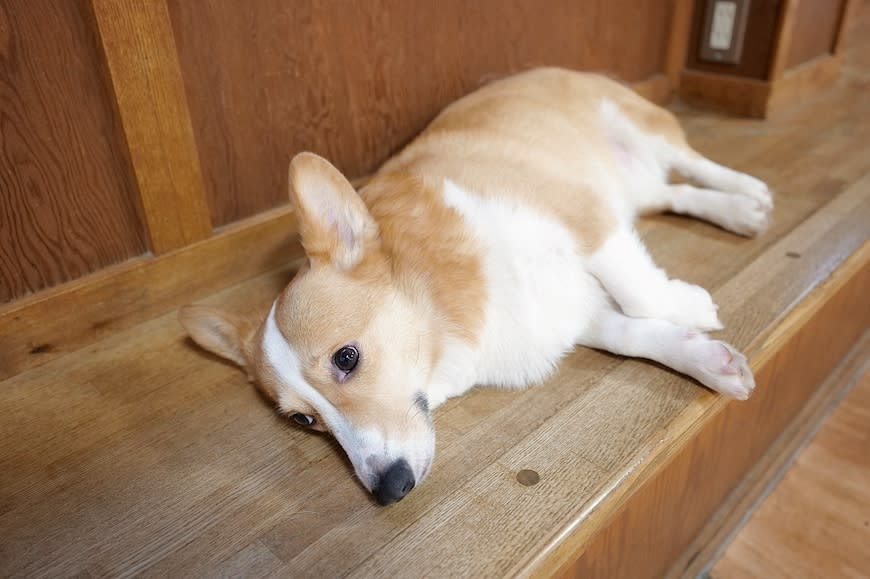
711, 542
63, 319
656, 524
755, 98
733, 94
656, 88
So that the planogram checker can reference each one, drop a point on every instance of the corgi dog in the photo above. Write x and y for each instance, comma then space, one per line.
491, 246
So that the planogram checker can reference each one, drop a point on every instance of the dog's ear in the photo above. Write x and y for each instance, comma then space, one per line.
334, 225
220, 332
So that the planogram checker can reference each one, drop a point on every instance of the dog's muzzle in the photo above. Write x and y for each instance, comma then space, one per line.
394, 483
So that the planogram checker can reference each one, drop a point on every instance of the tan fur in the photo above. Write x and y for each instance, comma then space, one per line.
529, 137
430, 249
431, 261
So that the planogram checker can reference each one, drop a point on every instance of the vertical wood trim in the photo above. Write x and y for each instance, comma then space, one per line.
680, 37
146, 78
783, 39
846, 15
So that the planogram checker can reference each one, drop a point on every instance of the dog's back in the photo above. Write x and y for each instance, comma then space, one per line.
539, 138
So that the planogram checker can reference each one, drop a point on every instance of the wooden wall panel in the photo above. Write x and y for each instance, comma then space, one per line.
815, 30
67, 201
758, 42
67, 204
354, 81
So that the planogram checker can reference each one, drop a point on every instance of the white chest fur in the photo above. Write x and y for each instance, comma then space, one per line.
540, 298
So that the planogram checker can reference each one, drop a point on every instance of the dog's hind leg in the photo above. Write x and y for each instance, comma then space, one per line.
643, 290
735, 201
689, 163
739, 214
713, 363
653, 144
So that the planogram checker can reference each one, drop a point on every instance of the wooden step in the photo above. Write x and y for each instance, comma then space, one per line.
142, 453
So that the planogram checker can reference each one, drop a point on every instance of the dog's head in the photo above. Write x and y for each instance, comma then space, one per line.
343, 349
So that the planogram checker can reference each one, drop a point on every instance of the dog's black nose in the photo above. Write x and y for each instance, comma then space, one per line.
394, 483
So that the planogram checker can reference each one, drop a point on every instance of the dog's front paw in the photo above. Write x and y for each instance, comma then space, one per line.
726, 370
755, 189
747, 216
692, 306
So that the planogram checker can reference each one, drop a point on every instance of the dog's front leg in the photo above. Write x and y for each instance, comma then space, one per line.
643, 290
713, 363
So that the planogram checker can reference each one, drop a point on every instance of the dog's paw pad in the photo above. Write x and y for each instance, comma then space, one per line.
727, 371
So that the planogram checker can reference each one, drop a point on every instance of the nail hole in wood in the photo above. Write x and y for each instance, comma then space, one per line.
528, 477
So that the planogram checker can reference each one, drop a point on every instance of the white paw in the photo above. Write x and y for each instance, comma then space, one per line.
755, 189
691, 305
721, 367
746, 216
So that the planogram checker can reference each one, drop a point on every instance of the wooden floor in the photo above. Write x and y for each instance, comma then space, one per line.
816, 522
141, 454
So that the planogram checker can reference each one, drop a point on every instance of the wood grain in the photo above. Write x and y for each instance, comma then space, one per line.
55, 322
719, 531
143, 455
67, 198
140, 454
816, 25
816, 522
140, 51
357, 81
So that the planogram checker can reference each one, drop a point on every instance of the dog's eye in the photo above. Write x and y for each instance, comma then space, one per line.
346, 358
302, 419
